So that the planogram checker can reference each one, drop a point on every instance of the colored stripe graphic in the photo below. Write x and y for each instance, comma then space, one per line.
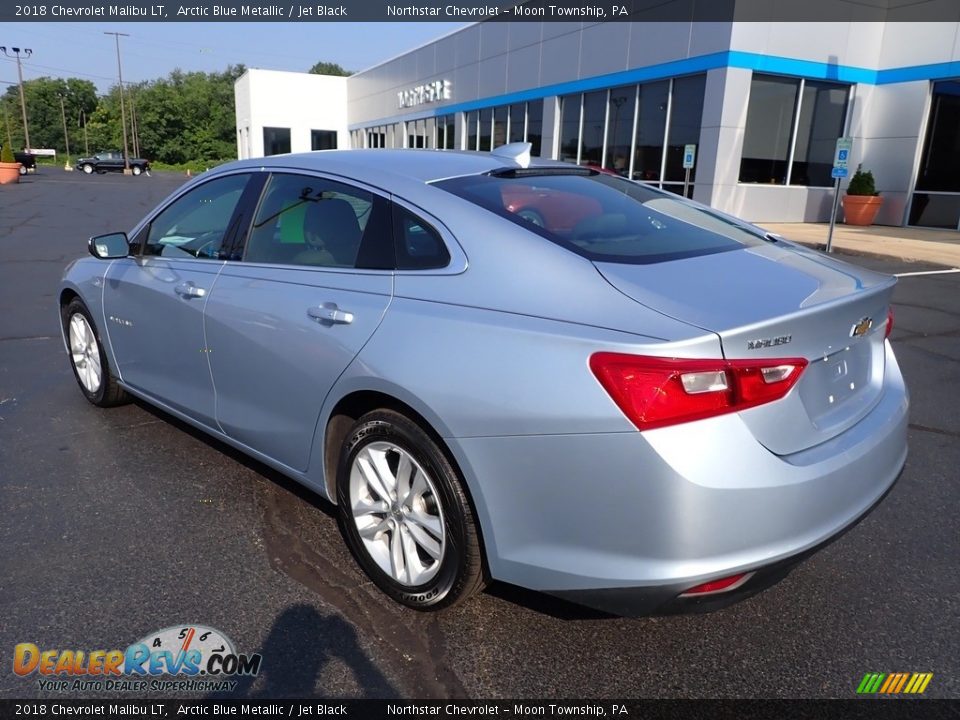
894, 683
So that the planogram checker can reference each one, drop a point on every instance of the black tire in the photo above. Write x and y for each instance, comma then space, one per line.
23, 169
461, 570
108, 393
87, 168
136, 169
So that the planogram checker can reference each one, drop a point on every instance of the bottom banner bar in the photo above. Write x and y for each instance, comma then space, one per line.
867, 709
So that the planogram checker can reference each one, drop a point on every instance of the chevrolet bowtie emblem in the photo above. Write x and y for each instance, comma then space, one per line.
862, 327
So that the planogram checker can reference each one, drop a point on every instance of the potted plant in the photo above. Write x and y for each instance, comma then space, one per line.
9, 167
862, 201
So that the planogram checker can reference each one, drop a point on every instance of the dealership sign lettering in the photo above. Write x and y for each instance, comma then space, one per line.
429, 93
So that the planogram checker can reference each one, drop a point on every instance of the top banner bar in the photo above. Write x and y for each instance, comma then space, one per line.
485, 10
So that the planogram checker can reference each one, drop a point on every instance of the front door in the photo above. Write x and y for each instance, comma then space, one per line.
154, 303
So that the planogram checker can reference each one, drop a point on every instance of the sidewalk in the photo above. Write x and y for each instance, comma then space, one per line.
906, 243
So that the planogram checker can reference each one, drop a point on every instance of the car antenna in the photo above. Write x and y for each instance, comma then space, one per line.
519, 152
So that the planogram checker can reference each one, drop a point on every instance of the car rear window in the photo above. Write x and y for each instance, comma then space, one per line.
603, 218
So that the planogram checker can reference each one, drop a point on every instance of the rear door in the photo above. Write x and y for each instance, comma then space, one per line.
314, 281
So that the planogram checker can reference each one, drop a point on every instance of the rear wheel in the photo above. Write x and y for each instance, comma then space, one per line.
405, 514
88, 359
23, 169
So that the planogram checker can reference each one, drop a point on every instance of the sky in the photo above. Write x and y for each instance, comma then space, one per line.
154, 49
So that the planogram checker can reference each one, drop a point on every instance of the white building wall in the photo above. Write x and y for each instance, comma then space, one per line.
299, 101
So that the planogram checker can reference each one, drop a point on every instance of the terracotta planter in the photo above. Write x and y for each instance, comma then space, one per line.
861, 209
9, 173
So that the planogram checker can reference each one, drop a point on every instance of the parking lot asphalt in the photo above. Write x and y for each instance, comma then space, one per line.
117, 523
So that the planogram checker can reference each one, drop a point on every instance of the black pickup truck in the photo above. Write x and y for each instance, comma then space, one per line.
111, 161
28, 161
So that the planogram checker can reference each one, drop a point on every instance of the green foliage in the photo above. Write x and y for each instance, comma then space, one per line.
862, 183
184, 118
43, 110
329, 68
6, 154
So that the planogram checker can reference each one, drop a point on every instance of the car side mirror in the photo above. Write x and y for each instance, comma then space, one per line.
109, 247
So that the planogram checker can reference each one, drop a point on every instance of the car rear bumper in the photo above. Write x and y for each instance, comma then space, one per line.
628, 521
668, 600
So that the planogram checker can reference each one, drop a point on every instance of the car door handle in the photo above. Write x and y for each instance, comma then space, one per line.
330, 313
189, 290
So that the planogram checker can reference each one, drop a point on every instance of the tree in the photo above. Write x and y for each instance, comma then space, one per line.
43, 109
329, 68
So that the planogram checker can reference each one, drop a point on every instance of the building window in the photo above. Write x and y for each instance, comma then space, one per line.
823, 113
790, 118
486, 119
517, 122
622, 104
535, 125
472, 130
276, 141
495, 126
570, 127
594, 122
625, 129
418, 134
448, 123
323, 139
500, 125
937, 200
651, 127
686, 112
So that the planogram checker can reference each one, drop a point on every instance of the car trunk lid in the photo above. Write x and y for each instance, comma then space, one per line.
778, 301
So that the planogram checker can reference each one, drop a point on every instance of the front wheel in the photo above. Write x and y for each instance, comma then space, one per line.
87, 168
88, 359
405, 514
23, 169
137, 169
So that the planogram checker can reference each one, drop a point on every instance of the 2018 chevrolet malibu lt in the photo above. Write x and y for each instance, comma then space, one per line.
500, 369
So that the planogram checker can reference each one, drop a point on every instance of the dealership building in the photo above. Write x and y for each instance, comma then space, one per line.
763, 102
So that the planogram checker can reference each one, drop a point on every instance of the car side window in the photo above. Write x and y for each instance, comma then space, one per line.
419, 245
312, 221
195, 224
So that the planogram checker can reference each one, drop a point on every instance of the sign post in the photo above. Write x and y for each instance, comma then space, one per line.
841, 158
689, 158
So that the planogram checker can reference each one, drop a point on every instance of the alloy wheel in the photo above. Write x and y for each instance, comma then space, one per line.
397, 513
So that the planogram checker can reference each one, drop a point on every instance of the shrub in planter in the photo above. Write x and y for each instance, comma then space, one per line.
862, 201
9, 167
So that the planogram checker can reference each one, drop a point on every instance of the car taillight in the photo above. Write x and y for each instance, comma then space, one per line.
655, 391
889, 328
718, 586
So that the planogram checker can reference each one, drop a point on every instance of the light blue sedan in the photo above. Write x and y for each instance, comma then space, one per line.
500, 369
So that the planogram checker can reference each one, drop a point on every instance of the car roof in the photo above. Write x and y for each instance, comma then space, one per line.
417, 165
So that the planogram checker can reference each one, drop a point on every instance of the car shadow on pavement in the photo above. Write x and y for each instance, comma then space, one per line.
296, 652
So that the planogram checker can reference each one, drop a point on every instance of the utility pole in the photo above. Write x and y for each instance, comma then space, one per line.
133, 126
66, 137
86, 143
123, 111
27, 52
